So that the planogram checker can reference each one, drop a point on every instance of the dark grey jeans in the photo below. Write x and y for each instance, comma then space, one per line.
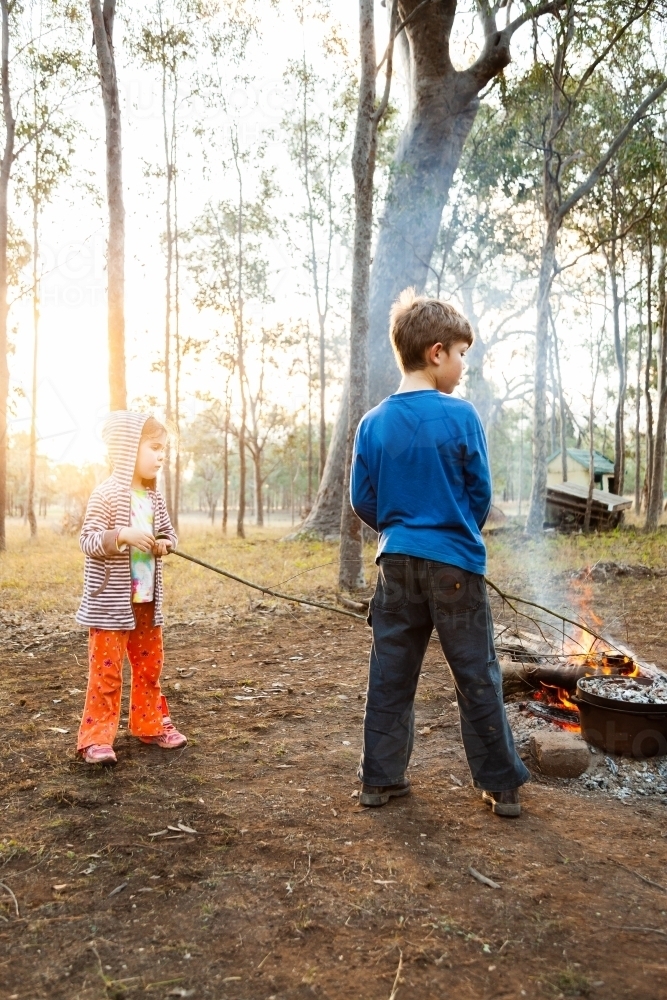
411, 597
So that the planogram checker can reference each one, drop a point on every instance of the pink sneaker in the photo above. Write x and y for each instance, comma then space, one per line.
99, 753
169, 738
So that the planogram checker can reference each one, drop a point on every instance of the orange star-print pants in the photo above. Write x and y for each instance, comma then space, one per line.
106, 651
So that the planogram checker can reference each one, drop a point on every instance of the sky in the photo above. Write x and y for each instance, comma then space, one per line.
72, 360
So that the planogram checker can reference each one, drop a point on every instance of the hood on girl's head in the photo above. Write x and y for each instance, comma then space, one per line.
121, 434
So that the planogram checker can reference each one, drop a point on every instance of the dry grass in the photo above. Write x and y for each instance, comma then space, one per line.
45, 576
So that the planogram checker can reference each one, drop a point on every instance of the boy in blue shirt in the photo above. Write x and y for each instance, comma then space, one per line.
421, 479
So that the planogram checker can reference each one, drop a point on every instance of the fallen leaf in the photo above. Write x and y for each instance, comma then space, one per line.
158, 833
186, 829
457, 781
57, 729
59, 888
119, 888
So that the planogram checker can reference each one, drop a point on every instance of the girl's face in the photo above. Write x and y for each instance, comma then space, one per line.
150, 457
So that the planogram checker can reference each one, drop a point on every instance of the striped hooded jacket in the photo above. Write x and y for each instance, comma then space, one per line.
107, 583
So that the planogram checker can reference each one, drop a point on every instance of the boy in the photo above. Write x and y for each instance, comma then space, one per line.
421, 479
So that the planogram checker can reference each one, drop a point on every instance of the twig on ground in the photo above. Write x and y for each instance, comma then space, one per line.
482, 878
16, 904
647, 930
633, 871
394, 989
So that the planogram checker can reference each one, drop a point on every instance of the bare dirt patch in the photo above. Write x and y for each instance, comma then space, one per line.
288, 889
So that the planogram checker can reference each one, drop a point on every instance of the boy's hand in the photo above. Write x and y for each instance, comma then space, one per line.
141, 540
162, 547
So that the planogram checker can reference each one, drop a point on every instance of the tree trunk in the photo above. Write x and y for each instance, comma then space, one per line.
638, 400
591, 464
259, 503
168, 490
443, 105
538, 493
5, 170
656, 492
351, 568
647, 371
561, 402
103, 18
225, 468
478, 390
323, 521
619, 429
323, 418
32, 472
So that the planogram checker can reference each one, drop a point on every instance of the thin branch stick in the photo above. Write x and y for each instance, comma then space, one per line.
633, 871
16, 905
482, 878
265, 590
394, 989
508, 598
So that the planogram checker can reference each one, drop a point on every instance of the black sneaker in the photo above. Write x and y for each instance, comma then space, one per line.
503, 803
379, 795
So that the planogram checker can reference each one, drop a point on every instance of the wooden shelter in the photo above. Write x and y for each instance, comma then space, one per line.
566, 508
578, 460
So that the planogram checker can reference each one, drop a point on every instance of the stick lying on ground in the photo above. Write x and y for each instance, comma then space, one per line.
508, 598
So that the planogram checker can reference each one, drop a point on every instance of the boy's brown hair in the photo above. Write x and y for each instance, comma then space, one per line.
417, 323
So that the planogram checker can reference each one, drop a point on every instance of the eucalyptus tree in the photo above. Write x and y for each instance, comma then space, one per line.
57, 72
581, 41
103, 16
40, 71
318, 142
484, 249
443, 104
230, 267
8, 30
167, 41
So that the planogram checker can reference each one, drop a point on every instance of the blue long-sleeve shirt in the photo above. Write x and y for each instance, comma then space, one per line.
420, 477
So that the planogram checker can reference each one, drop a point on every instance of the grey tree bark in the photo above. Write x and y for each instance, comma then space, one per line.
619, 353
103, 18
656, 484
5, 170
351, 566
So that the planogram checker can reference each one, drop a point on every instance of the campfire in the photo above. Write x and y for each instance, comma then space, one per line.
552, 662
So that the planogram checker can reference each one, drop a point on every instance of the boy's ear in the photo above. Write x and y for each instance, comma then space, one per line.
434, 352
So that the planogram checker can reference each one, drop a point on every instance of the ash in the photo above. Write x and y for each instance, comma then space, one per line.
624, 778
627, 689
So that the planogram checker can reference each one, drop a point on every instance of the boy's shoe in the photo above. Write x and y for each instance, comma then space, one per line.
379, 795
169, 738
503, 803
99, 753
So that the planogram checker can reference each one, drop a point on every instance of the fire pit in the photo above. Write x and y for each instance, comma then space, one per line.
625, 715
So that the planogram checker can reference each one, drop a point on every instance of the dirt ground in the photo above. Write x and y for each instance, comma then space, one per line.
289, 889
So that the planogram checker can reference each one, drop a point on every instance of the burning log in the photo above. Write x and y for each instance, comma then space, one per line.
563, 675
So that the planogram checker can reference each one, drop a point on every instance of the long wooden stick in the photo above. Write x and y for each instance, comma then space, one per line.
556, 614
508, 598
265, 590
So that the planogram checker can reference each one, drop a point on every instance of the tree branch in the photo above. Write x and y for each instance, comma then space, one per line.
601, 166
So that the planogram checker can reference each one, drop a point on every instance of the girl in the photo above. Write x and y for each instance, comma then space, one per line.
125, 534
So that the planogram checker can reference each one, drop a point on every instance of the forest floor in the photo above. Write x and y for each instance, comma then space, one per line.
288, 888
